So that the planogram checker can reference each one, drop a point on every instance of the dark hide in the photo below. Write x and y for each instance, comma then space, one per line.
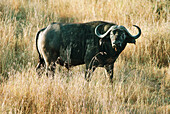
75, 44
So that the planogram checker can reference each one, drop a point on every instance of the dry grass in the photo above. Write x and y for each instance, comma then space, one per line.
142, 72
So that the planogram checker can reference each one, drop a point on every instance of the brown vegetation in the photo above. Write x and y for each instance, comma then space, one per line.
142, 73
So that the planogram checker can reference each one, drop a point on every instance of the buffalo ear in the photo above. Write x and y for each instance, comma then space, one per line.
131, 40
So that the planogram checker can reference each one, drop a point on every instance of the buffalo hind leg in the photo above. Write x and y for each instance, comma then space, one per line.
40, 67
109, 69
50, 58
50, 69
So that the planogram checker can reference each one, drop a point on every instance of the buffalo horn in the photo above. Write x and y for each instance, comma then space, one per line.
136, 36
103, 35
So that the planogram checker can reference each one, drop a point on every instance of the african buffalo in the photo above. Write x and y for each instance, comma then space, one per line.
95, 44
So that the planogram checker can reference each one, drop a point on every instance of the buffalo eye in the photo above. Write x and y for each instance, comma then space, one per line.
114, 32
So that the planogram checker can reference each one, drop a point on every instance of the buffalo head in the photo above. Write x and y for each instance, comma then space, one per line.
118, 35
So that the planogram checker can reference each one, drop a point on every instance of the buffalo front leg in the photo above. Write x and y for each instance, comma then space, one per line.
90, 68
109, 69
89, 72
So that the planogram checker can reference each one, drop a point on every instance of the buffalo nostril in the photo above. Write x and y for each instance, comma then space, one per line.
113, 45
113, 42
118, 43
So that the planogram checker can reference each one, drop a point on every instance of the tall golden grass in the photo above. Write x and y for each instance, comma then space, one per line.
142, 73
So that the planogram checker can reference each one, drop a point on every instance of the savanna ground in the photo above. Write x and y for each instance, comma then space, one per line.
142, 72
